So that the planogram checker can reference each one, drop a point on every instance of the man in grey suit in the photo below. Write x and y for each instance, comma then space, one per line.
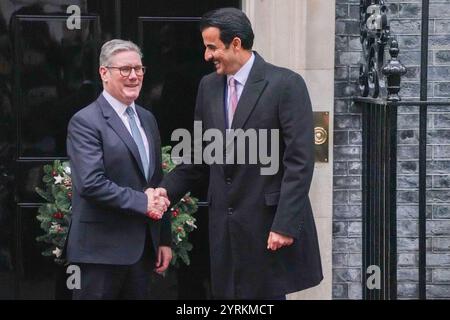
115, 156
263, 239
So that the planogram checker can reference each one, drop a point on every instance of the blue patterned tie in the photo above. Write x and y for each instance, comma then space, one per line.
138, 139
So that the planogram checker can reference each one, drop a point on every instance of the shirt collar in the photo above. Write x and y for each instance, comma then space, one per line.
118, 106
242, 75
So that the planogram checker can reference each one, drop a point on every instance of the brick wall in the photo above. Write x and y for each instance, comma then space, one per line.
405, 20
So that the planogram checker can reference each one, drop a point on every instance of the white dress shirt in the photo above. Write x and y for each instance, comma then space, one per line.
120, 109
241, 78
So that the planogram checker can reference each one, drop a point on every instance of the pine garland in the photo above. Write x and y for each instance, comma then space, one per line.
54, 214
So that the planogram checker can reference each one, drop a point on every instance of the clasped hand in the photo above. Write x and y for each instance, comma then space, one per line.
158, 202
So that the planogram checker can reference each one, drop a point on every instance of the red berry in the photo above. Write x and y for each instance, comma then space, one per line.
69, 194
179, 229
174, 214
54, 173
164, 165
58, 215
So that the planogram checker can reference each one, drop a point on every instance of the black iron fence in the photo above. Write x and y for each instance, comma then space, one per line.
379, 101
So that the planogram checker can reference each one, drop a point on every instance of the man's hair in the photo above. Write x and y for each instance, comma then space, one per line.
232, 23
114, 46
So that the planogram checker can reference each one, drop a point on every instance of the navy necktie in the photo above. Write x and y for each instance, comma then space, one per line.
138, 139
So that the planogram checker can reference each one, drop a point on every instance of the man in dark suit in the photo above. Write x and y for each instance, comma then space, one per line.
263, 240
115, 157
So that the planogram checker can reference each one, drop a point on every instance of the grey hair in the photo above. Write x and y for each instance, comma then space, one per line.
114, 46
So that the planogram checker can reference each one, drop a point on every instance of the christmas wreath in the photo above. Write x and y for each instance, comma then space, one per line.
54, 214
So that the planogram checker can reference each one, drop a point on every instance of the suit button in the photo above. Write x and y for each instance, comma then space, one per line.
230, 211
228, 180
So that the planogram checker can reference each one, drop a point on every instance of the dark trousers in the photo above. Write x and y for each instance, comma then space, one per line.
113, 282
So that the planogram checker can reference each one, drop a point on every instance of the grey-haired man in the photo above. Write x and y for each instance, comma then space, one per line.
114, 151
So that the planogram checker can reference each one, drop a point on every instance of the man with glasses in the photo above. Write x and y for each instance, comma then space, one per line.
114, 151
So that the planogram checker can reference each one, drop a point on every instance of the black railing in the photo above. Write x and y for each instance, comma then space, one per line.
379, 195
380, 147
423, 149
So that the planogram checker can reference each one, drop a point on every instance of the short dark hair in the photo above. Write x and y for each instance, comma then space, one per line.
232, 23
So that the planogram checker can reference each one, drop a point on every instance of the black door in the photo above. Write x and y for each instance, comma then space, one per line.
47, 73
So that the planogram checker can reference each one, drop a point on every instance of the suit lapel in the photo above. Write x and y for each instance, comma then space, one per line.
117, 125
252, 91
150, 132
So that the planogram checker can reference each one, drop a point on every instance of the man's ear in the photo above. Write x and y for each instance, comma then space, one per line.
236, 43
102, 71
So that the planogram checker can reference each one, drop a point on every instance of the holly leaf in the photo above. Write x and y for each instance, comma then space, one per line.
174, 259
47, 253
185, 257
188, 246
62, 202
56, 165
48, 169
44, 194
48, 179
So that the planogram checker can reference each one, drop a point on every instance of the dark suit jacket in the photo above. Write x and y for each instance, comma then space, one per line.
244, 206
109, 205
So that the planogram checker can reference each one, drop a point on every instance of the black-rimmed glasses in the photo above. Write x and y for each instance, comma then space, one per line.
125, 71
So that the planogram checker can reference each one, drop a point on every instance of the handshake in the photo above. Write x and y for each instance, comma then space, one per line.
158, 202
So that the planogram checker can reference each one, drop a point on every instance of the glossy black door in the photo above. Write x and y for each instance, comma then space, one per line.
47, 73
